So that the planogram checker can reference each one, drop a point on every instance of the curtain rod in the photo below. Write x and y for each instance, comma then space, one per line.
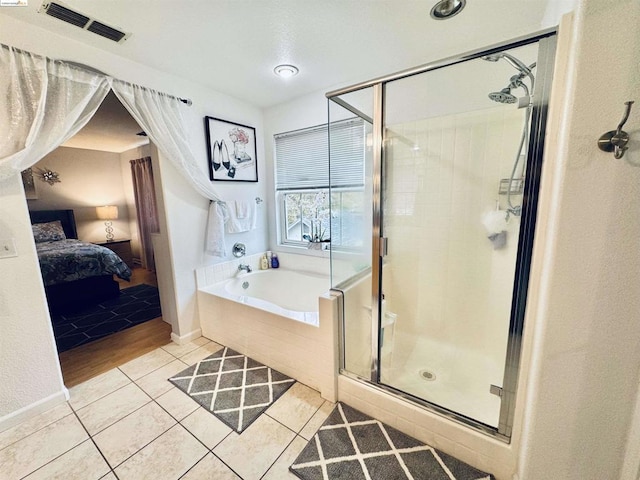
87, 68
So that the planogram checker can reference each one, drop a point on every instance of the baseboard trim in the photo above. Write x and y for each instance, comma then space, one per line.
182, 339
36, 408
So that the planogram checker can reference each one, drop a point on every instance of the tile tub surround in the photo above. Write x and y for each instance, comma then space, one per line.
304, 352
219, 272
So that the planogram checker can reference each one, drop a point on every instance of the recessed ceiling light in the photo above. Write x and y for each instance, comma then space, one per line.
447, 8
286, 71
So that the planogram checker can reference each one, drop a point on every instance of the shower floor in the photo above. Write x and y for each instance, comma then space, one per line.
462, 378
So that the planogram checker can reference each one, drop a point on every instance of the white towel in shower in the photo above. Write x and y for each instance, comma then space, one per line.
214, 242
242, 216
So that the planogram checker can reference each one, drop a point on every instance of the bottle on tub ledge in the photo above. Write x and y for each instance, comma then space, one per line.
274, 261
269, 256
264, 263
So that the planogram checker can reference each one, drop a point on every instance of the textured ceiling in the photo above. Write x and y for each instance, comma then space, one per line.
232, 46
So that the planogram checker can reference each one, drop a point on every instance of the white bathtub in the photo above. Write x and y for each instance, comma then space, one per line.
284, 318
284, 292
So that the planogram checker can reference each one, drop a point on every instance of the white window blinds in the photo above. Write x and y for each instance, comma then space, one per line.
302, 157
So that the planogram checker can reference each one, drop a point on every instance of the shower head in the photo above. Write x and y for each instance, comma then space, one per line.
503, 96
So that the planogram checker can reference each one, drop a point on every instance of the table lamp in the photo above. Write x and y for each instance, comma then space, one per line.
108, 213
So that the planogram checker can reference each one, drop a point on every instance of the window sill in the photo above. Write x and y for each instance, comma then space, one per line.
300, 250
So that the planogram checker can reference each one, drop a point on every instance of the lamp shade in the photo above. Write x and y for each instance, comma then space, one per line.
107, 212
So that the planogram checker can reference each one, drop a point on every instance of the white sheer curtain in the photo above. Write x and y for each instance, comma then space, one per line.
43, 103
161, 117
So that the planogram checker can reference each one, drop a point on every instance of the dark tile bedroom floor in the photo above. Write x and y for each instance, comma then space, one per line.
133, 306
100, 321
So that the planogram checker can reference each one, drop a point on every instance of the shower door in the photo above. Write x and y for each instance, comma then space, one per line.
453, 185
447, 282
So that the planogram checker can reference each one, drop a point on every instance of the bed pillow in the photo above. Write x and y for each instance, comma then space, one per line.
48, 232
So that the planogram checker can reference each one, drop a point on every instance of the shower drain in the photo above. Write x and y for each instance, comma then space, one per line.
427, 375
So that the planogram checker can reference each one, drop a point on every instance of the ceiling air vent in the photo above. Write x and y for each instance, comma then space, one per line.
106, 31
64, 13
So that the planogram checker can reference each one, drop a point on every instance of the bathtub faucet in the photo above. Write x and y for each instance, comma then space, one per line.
246, 268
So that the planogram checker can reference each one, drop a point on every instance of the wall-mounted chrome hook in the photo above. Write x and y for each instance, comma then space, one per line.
616, 140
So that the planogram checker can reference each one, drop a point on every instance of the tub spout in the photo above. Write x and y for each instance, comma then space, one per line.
246, 268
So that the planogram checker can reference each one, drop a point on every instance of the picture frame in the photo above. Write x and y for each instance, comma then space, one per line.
30, 191
232, 152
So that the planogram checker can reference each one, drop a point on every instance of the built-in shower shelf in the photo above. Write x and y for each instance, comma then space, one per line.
517, 186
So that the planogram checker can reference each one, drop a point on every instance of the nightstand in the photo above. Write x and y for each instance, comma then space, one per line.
122, 248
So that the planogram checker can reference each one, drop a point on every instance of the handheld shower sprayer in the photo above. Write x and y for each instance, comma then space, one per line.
513, 61
505, 96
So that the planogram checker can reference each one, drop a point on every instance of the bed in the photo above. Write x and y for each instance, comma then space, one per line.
75, 274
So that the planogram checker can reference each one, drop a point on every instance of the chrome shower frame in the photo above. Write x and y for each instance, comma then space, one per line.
546, 40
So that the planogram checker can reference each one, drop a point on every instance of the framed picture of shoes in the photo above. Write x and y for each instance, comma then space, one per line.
232, 151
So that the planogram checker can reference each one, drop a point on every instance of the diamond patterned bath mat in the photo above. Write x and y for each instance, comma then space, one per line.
233, 387
351, 445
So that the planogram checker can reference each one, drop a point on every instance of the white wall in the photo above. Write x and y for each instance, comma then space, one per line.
585, 308
88, 178
29, 369
186, 211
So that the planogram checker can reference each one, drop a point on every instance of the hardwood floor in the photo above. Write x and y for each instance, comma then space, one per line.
92, 359
138, 276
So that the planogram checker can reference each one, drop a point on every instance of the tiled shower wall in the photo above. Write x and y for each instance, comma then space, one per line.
442, 276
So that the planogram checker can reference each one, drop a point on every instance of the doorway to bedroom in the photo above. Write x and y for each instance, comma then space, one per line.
103, 298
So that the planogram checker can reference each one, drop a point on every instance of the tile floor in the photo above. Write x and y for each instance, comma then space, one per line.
131, 423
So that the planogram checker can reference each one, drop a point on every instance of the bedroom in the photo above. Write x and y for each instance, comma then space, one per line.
72, 184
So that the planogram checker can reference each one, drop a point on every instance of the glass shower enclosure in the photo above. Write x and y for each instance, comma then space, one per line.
431, 243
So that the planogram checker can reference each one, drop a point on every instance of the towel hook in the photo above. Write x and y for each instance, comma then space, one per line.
616, 140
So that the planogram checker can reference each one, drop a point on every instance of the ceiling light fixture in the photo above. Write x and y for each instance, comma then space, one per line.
447, 8
286, 71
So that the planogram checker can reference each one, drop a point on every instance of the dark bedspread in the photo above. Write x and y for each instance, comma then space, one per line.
68, 260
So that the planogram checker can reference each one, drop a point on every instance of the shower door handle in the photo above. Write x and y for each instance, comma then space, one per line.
384, 246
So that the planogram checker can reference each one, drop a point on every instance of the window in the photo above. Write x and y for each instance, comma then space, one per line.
302, 182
